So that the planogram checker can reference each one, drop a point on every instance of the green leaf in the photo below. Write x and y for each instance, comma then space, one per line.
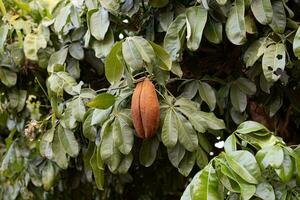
201, 158
230, 144
262, 11
296, 44
98, 173
60, 81
264, 190
8, 77
3, 35
164, 59
103, 47
148, 151
243, 163
144, 48
131, 55
32, 43
273, 59
238, 98
246, 86
270, 156
114, 67
99, 19
100, 115
208, 95
125, 164
279, 18
102, 101
57, 58
158, 3
210, 120
109, 143
68, 141
48, 175
186, 134
169, 133
255, 51
213, 31
61, 18
59, 154
76, 51
207, 185
187, 163
127, 133
176, 154
195, 21
235, 27
89, 131
78, 109
173, 39
286, 170
250, 127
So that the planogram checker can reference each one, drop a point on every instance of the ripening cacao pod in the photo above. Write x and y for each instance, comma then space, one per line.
145, 109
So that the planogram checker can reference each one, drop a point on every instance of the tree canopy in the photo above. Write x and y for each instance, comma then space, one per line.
226, 74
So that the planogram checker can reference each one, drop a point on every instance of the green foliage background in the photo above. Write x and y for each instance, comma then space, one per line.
68, 70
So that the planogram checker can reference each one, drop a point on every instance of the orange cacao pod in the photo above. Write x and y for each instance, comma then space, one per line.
145, 109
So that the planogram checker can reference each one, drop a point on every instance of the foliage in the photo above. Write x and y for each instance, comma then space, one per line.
263, 167
68, 70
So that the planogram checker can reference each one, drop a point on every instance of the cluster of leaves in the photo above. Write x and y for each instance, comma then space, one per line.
263, 167
68, 71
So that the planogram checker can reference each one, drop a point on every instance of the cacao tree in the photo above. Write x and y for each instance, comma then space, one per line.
149, 99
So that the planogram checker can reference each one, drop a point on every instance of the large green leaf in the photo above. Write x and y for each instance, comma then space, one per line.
173, 39
148, 151
250, 126
98, 172
61, 18
264, 190
273, 59
235, 25
207, 185
59, 153
7, 77
114, 67
270, 156
3, 35
127, 133
246, 86
286, 170
296, 44
145, 49
186, 134
32, 43
195, 21
68, 141
76, 51
103, 47
207, 94
187, 163
262, 10
57, 58
102, 101
169, 133
279, 18
255, 51
213, 31
243, 163
176, 154
89, 130
238, 98
131, 55
164, 59
99, 19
